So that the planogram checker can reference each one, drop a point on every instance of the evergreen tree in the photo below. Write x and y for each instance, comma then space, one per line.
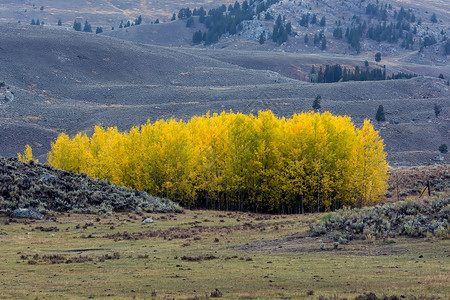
378, 57
33, 22
288, 27
245, 5
87, 27
174, 17
76, 25
337, 33
190, 22
38, 22
201, 15
197, 37
447, 47
443, 148
157, 21
138, 21
316, 103
262, 39
59, 22
99, 30
306, 39
316, 39
434, 18
323, 21
380, 114
323, 45
437, 110
304, 20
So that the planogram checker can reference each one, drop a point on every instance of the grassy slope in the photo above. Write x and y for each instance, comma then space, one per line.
284, 263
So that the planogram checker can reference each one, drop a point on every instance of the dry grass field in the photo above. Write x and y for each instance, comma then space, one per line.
190, 255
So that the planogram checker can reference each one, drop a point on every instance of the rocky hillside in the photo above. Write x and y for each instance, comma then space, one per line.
45, 189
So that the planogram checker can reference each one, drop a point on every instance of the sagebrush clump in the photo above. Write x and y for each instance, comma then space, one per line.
44, 188
405, 218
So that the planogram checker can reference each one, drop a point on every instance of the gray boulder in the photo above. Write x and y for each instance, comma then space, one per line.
48, 179
27, 213
148, 220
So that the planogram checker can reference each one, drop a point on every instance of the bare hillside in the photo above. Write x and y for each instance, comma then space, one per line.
173, 33
106, 13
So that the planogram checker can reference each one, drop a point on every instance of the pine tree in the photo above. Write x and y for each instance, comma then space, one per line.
138, 21
433, 18
190, 22
437, 110
378, 57
288, 27
316, 103
87, 27
324, 44
59, 22
323, 21
99, 30
380, 114
76, 26
316, 39
197, 37
262, 39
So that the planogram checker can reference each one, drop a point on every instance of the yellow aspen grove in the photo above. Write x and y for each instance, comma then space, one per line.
370, 175
27, 155
307, 163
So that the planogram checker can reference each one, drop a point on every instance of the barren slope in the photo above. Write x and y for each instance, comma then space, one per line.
98, 12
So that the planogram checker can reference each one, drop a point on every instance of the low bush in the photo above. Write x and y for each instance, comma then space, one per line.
405, 218
44, 188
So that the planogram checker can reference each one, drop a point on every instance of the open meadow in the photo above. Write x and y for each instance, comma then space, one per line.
191, 254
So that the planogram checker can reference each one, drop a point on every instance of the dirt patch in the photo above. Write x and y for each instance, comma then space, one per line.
196, 230
299, 243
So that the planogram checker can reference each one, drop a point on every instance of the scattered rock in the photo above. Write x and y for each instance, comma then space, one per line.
148, 220
48, 178
27, 213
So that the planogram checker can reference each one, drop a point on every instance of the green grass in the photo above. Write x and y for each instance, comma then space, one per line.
271, 266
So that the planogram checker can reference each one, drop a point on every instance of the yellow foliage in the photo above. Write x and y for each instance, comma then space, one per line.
309, 162
27, 155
